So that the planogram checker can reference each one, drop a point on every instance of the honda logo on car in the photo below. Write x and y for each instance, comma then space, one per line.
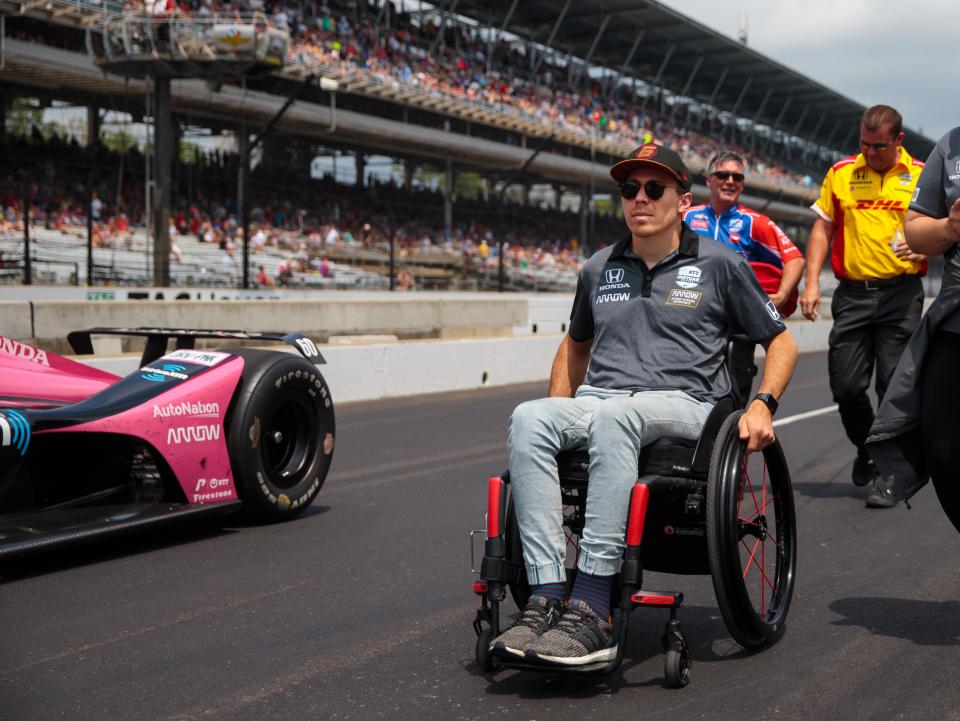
14, 431
21, 350
216, 489
193, 434
185, 408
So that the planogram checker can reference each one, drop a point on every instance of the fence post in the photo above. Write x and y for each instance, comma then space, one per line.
27, 265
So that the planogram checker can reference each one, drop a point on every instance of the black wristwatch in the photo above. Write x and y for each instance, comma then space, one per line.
768, 400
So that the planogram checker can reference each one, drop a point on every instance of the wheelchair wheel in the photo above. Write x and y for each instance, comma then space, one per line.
676, 667
751, 537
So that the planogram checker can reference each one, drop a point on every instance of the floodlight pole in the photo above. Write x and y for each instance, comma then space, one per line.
89, 232
27, 265
163, 149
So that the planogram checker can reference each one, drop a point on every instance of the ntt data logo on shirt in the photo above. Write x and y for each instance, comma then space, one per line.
689, 276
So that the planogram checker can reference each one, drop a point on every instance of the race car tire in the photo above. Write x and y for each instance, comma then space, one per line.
280, 435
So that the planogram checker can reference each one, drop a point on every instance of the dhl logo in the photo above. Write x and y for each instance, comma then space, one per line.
880, 205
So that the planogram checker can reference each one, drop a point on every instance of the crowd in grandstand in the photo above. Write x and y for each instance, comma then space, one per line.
333, 35
460, 68
290, 213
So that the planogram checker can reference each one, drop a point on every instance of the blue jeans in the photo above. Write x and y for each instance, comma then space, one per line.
613, 426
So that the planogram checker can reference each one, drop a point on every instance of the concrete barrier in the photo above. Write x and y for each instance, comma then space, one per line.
407, 316
16, 320
387, 370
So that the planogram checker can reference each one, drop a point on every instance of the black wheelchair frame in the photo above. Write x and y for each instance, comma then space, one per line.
698, 507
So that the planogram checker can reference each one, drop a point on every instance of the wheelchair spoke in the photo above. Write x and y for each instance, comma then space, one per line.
749, 484
753, 552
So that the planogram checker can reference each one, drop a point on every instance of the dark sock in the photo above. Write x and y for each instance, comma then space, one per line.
593, 591
550, 591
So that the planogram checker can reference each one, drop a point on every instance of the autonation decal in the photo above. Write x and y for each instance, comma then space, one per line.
187, 409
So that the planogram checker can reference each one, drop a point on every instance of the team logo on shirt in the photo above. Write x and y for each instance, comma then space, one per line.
699, 224
684, 298
772, 310
735, 224
615, 275
688, 276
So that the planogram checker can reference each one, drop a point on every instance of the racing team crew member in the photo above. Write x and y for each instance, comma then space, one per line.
916, 430
879, 299
643, 359
777, 262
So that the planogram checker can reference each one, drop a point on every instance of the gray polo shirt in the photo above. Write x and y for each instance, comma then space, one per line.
666, 327
936, 191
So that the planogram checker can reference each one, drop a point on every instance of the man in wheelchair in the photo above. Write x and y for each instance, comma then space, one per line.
643, 360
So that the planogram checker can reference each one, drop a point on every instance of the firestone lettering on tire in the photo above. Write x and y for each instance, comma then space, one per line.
286, 378
307, 496
263, 486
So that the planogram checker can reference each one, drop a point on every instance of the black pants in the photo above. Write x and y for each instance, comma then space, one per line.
870, 329
939, 423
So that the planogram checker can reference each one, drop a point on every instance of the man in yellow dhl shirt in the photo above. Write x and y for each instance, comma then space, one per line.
879, 299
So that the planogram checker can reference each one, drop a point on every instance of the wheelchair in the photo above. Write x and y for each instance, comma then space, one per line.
698, 507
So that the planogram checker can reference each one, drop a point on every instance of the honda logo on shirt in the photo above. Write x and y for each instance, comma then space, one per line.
615, 275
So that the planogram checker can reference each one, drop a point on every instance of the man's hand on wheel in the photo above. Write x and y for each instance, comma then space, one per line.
756, 427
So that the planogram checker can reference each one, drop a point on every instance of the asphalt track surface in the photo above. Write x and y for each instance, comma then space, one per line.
362, 609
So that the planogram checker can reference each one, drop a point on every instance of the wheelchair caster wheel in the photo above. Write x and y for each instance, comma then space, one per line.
676, 667
485, 659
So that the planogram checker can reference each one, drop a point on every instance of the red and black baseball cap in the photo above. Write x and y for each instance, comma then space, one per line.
651, 155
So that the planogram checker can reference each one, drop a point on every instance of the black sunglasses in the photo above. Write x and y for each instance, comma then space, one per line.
879, 147
737, 177
653, 189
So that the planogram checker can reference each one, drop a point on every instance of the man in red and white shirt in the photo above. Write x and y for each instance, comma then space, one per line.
777, 262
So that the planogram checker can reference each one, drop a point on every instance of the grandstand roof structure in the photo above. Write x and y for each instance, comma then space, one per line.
648, 39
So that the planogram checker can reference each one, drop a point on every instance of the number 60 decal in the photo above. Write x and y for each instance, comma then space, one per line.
307, 347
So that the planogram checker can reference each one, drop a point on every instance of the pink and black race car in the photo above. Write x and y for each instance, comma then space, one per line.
85, 453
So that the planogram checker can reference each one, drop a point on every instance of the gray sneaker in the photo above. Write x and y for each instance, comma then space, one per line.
882, 494
538, 615
578, 638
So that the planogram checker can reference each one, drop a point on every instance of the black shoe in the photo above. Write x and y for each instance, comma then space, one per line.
864, 471
538, 616
882, 495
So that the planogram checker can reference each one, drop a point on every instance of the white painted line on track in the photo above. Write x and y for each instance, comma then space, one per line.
803, 416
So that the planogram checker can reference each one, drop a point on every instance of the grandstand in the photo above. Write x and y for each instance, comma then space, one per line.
514, 109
